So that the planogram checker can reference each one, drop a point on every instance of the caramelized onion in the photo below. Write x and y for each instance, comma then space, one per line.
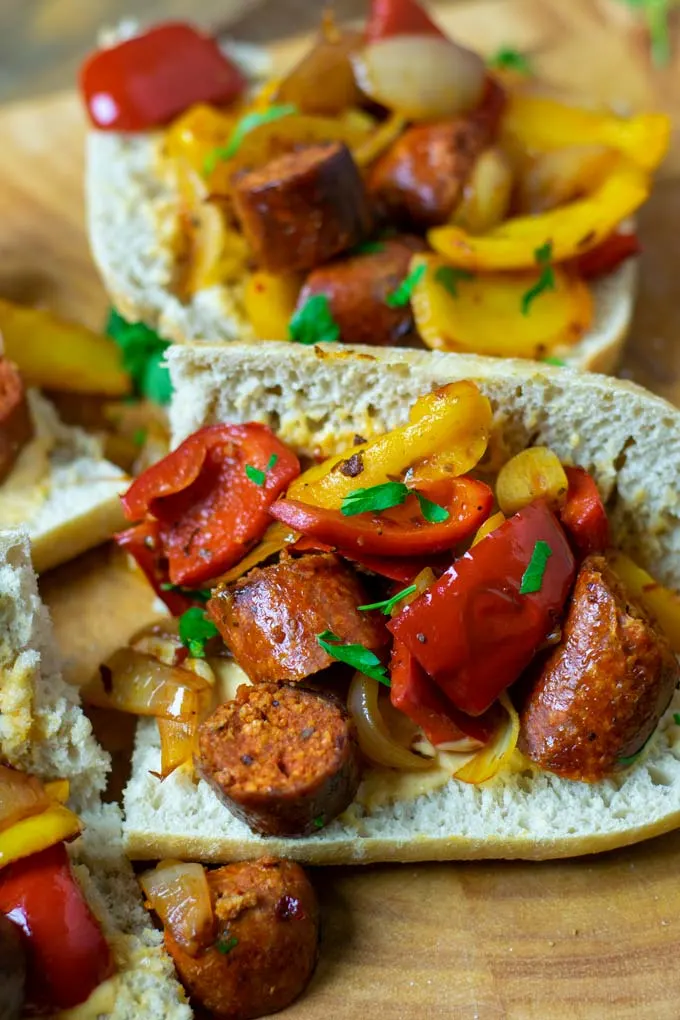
20, 796
133, 682
497, 753
178, 742
375, 739
323, 81
180, 895
420, 77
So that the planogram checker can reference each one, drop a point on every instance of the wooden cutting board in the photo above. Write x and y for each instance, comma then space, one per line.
590, 938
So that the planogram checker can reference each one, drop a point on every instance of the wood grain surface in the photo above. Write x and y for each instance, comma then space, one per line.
570, 940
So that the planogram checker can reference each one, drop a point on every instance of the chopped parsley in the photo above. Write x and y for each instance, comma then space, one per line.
432, 512
386, 605
195, 629
676, 718
257, 476
375, 498
139, 437
448, 277
402, 295
532, 578
356, 656
546, 280
244, 127
314, 322
657, 16
225, 945
199, 594
368, 248
550, 360
506, 58
143, 357
318, 822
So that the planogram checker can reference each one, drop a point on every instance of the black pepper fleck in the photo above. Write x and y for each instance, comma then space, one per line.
246, 759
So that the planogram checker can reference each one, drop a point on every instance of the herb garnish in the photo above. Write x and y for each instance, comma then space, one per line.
244, 127
555, 361
139, 437
314, 322
199, 594
532, 579
656, 13
357, 656
367, 248
225, 946
388, 495
143, 353
676, 718
546, 280
448, 277
195, 629
432, 512
318, 822
256, 475
402, 295
386, 605
506, 58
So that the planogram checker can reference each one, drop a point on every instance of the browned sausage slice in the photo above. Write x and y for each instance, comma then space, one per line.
265, 949
16, 427
270, 618
357, 289
604, 688
283, 759
302, 208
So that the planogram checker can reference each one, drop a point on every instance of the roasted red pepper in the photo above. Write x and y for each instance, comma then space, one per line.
607, 256
400, 531
211, 497
68, 954
398, 17
143, 543
417, 696
145, 81
473, 631
583, 515
404, 569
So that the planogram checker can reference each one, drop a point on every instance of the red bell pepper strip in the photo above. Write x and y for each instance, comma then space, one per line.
211, 497
387, 18
583, 515
68, 954
145, 81
417, 696
607, 256
473, 631
404, 569
400, 531
143, 543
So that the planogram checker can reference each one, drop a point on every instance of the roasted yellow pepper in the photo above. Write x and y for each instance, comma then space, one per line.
540, 124
498, 752
488, 526
484, 313
571, 230
38, 833
450, 425
535, 473
661, 602
269, 302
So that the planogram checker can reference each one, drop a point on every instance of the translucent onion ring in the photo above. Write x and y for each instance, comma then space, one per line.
374, 737
180, 895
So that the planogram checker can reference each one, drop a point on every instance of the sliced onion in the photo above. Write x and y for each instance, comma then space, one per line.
130, 681
323, 81
374, 737
180, 895
420, 77
385, 135
178, 743
276, 537
497, 753
20, 796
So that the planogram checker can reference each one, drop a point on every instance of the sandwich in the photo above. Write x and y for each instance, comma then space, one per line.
462, 212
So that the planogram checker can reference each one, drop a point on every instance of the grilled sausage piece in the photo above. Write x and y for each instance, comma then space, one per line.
604, 688
357, 289
267, 933
302, 208
270, 618
12, 971
419, 181
16, 427
283, 759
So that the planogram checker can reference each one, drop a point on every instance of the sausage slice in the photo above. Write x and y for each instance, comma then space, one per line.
16, 427
266, 940
604, 688
283, 759
357, 288
270, 618
302, 208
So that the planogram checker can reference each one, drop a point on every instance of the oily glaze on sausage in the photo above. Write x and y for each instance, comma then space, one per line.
283, 759
357, 288
16, 427
266, 939
270, 618
603, 690
12, 971
302, 208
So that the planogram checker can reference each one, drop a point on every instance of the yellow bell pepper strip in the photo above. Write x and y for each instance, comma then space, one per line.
532, 474
571, 230
662, 603
451, 424
196, 133
58, 790
488, 526
37, 833
542, 124
270, 302
367, 150
456, 310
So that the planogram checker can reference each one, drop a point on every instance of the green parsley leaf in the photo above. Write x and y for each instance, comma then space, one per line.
546, 280
657, 16
194, 630
255, 475
676, 718
402, 295
244, 127
555, 361
386, 605
432, 512
508, 59
314, 322
318, 822
199, 594
225, 946
356, 656
139, 437
532, 578
143, 355
375, 498
271, 462
368, 248
448, 277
